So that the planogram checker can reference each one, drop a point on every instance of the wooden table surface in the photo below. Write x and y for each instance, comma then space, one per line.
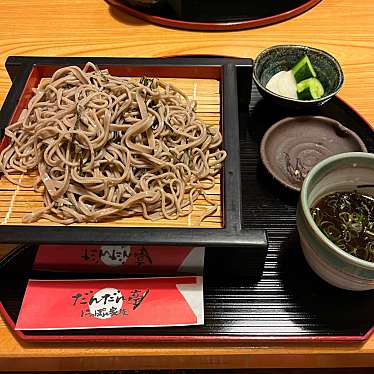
92, 28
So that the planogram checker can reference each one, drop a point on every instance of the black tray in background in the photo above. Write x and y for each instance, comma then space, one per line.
214, 14
289, 301
211, 11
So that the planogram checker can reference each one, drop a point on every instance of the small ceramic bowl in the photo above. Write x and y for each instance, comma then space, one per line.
292, 146
343, 172
283, 57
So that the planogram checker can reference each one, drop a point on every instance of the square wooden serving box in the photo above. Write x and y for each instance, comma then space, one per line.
212, 82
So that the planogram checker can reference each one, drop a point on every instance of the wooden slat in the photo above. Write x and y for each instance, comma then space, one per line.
17, 201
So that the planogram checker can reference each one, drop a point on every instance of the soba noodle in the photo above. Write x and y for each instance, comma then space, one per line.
107, 147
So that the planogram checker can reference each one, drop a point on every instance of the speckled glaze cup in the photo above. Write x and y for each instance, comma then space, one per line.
283, 57
343, 172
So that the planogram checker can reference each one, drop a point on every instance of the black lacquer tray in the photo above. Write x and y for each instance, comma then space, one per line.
214, 14
289, 302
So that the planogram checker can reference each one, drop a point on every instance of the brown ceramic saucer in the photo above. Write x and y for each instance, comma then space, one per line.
292, 146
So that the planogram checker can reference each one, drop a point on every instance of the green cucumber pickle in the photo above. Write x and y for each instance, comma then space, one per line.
310, 89
303, 70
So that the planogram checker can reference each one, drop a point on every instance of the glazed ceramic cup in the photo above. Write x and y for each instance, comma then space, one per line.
283, 57
343, 172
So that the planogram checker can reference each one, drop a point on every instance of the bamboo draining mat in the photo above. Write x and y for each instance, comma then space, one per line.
16, 201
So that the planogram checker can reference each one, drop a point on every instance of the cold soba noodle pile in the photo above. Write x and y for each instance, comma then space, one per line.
107, 147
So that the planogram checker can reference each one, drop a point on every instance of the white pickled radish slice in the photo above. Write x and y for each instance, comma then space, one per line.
272, 85
284, 84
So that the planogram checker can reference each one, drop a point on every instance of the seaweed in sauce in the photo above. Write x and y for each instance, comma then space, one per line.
347, 219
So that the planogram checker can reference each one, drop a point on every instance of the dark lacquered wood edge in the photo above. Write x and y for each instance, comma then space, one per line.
170, 338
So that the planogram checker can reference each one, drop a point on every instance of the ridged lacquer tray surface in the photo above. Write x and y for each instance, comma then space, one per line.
289, 301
